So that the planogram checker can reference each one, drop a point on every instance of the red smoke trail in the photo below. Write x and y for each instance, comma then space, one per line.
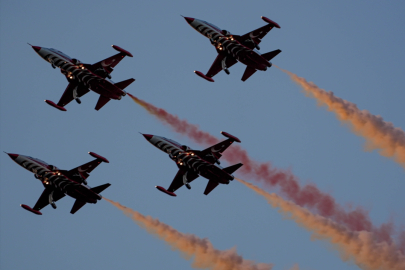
357, 246
306, 196
201, 250
180, 126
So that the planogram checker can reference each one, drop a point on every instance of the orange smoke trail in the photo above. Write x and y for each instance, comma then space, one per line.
378, 133
307, 196
359, 247
205, 255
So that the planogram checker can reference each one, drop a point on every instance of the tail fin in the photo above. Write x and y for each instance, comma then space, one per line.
233, 168
270, 55
77, 205
99, 189
211, 185
101, 102
248, 72
122, 85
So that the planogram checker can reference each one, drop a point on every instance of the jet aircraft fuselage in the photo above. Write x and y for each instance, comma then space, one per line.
194, 163
84, 77
58, 183
235, 48
223, 41
189, 160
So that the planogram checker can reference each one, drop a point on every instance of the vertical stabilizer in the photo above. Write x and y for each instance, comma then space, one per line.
249, 71
101, 102
211, 185
77, 205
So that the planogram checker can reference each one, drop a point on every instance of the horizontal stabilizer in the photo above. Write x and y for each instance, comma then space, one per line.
77, 205
101, 102
248, 72
270, 55
233, 168
99, 189
122, 85
211, 185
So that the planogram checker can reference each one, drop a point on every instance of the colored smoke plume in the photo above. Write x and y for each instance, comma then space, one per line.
204, 254
306, 196
358, 246
295, 267
378, 133
180, 126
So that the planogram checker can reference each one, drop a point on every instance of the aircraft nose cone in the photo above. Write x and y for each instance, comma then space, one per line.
12, 156
147, 136
36, 48
189, 20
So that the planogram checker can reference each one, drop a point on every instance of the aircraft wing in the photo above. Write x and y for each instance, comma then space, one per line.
214, 152
178, 180
107, 65
217, 65
44, 198
255, 35
80, 174
69, 92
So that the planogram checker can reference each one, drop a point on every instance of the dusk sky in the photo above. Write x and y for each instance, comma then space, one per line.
353, 48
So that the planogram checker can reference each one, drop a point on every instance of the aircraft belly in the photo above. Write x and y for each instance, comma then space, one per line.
81, 193
245, 59
106, 89
253, 60
261, 63
94, 88
247, 62
216, 174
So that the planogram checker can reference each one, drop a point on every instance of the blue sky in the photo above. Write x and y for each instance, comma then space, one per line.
353, 48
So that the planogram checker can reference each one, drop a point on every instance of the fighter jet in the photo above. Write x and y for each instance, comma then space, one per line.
233, 48
58, 183
85, 77
193, 163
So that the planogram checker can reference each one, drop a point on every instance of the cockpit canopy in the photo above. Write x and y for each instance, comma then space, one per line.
75, 61
185, 148
172, 141
60, 53
52, 168
38, 160
226, 32
213, 26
